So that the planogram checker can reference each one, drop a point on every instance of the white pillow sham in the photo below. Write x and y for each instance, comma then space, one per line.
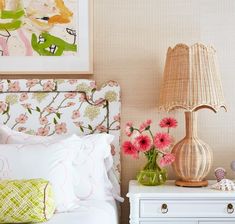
91, 181
92, 167
50, 161
101, 143
9, 136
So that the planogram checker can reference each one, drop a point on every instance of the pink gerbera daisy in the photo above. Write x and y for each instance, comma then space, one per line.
129, 149
162, 140
145, 125
129, 129
168, 122
142, 143
167, 159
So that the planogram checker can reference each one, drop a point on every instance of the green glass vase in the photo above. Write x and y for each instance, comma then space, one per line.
152, 174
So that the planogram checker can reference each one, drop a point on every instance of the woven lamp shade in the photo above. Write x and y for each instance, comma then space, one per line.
191, 79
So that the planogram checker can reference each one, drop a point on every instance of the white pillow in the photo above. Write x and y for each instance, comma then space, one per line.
101, 143
50, 161
95, 170
9, 136
91, 167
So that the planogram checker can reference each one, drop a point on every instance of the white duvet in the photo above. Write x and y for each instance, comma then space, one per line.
89, 212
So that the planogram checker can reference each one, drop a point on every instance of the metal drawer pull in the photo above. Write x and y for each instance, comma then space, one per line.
164, 208
230, 209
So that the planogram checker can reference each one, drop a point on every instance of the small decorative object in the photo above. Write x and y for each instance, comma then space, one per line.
233, 165
156, 149
191, 82
224, 185
220, 173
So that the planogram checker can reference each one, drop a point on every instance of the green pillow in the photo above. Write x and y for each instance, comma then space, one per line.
24, 201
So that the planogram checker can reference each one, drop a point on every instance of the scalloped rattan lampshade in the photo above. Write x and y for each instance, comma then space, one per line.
191, 82
191, 79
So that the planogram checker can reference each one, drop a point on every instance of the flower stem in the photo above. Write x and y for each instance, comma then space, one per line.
152, 160
151, 133
136, 129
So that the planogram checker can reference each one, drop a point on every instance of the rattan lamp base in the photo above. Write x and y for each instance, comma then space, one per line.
193, 157
182, 183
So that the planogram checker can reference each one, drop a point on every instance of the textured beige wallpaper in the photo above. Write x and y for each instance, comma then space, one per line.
131, 38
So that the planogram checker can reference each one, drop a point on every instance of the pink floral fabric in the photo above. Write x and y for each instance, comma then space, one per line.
59, 107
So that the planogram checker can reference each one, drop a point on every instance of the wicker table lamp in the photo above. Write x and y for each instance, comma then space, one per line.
191, 82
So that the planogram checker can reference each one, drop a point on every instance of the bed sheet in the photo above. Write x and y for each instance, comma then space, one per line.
89, 212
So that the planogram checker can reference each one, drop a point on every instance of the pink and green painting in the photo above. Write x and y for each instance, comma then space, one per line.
38, 28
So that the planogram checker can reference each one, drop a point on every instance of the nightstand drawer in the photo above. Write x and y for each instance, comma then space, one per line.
217, 222
187, 208
172, 222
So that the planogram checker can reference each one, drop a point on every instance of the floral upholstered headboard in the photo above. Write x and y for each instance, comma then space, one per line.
58, 107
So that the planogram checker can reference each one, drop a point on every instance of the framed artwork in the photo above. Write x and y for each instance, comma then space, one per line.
46, 36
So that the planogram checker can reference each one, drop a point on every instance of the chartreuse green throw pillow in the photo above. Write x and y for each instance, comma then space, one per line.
25, 201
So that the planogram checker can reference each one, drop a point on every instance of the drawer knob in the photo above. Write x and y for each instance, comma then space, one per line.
230, 209
164, 208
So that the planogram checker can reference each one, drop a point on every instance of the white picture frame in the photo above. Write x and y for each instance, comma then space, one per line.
82, 63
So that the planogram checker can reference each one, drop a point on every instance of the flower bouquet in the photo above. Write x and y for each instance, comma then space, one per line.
156, 149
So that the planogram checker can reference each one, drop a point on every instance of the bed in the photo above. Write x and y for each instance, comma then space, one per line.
96, 212
59, 107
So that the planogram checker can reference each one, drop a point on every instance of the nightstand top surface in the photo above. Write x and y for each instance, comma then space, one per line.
170, 190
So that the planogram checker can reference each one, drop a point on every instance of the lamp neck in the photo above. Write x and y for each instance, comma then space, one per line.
191, 124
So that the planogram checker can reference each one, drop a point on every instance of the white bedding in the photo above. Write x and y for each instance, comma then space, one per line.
89, 212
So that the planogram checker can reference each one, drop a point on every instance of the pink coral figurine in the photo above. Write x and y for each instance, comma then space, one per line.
220, 173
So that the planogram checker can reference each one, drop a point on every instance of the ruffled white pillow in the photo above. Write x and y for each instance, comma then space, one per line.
9, 136
51, 161
94, 177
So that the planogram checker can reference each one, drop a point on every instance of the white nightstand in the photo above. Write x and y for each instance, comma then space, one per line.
169, 204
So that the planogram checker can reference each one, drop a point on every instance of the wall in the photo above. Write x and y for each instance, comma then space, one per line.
131, 38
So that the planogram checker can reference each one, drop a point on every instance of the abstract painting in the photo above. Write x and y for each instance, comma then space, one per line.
47, 35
